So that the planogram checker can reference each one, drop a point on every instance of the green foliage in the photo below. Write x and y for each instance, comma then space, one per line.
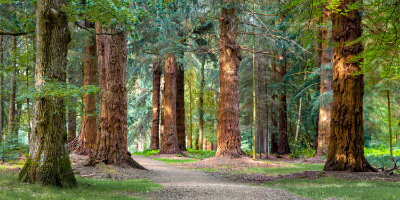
175, 161
200, 154
331, 188
147, 152
303, 153
284, 168
379, 155
12, 150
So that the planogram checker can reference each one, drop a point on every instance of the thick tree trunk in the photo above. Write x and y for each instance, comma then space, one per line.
13, 135
274, 135
111, 146
1, 87
346, 145
155, 124
229, 143
201, 106
87, 138
325, 109
283, 142
180, 108
169, 140
48, 162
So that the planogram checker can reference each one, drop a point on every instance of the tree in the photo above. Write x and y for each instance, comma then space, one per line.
201, 106
346, 145
72, 79
228, 110
283, 141
1, 86
169, 139
48, 162
87, 138
180, 107
13, 135
155, 141
111, 145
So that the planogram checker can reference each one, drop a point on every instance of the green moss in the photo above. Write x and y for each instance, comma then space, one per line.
325, 188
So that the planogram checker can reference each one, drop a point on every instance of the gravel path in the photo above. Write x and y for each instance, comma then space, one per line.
181, 183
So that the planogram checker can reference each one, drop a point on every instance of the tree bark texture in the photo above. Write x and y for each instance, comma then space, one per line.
229, 143
13, 135
261, 108
162, 109
346, 145
180, 107
325, 109
155, 124
201, 106
111, 146
1, 86
87, 138
190, 115
274, 135
283, 142
72, 76
169, 140
48, 162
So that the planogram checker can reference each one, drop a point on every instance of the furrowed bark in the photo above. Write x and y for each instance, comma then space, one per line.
180, 108
155, 124
283, 142
13, 135
201, 106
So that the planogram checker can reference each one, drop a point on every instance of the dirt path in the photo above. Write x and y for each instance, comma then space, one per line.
190, 184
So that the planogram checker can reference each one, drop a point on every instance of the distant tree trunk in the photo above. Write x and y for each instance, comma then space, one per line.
162, 109
228, 110
155, 141
390, 127
11, 113
72, 108
87, 138
201, 106
191, 115
283, 142
28, 113
346, 144
18, 117
1, 87
274, 143
325, 109
111, 146
48, 162
169, 140
261, 108
180, 108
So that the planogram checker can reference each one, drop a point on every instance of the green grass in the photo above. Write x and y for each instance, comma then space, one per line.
379, 156
324, 188
174, 161
11, 189
286, 168
200, 154
207, 169
147, 152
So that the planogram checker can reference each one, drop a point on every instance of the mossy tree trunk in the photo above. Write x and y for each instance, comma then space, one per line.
180, 107
13, 135
87, 138
48, 162
155, 124
229, 143
346, 145
111, 145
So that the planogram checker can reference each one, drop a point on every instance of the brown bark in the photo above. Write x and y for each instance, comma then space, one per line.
72, 108
261, 109
13, 135
169, 140
162, 109
1, 87
180, 108
48, 162
201, 106
346, 145
274, 135
190, 115
229, 143
87, 138
283, 142
111, 146
155, 124
325, 61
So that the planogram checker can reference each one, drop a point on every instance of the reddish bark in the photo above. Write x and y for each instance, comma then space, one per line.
283, 142
346, 145
180, 108
155, 141
229, 143
274, 135
169, 139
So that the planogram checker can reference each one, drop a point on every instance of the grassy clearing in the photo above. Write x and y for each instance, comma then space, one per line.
285, 168
174, 161
324, 188
10, 188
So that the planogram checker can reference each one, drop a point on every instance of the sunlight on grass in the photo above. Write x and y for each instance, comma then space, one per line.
285, 168
10, 188
324, 188
173, 161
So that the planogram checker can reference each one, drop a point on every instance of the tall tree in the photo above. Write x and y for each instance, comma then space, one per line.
48, 162
11, 113
1, 86
346, 144
111, 146
283, 141
72, 79
87, 138
262, 109
325, 61
228, 110
155, 141
169, 139
180, 107
274, 135
201, 106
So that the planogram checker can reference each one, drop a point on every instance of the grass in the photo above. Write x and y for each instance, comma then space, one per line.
379, 156
147, 152
10, 188
207, 169
174, 161
324, 188
200, 154
285, 168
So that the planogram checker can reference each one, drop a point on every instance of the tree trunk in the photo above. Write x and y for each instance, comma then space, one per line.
169, 140
28, 112
201, 106
1, 87
111, 146
18, 117
180, 108
390, 127
162, 123
13, 135
155, 141
346, 145
72, 108
325, 108
191, 116
274, 143
283, 142
262, 108
229, 143
48, 162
